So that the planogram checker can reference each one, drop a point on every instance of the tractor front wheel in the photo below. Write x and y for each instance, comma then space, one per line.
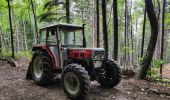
112, 74
76, 81
41, 68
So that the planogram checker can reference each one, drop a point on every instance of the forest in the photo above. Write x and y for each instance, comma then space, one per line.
134, 33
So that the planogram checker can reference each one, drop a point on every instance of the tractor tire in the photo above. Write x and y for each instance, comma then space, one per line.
112, 74
76, 81
42, 72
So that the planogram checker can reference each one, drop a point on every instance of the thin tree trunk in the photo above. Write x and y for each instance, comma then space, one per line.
17, 39
3, 40
66, 35
82, 16
159, 8
153, 39
136, 24
68, 11
98, 23
30, 28
0, 41
35, 19
132, 59
95, 25
163, 31
125, 41
24, 33
105, 34
116, 36
143, 34
158, 46
11, 29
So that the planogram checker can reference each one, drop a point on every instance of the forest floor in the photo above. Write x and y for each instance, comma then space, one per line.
166, 70
14, 86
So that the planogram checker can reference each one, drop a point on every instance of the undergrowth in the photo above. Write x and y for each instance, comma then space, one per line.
21, 54
153, 73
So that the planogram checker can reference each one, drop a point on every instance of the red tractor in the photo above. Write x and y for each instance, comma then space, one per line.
61, 51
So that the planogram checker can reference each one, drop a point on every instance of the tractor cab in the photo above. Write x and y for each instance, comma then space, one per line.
61, 51
65, 35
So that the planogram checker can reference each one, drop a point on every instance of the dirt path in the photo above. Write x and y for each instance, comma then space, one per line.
13, 86
166, 71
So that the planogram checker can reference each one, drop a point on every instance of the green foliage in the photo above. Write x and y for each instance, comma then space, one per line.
127, 49
140, 59
26, 54
153, 73
153, 76
157, 62
21, 54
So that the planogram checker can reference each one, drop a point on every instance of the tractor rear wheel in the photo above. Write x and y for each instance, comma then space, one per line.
41, 68
76, 81
112, 74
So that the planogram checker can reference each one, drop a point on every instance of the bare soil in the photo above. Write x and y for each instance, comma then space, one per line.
166, 71
14, 86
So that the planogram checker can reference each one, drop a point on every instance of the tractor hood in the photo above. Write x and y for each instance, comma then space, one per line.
85, 53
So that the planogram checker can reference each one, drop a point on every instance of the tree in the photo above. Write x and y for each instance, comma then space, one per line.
125, 25
105, 34
143, 33
131, 31
153, 39
98, 23
0, 41
68, 11
11, 29
163, 31
115, 13
35, 18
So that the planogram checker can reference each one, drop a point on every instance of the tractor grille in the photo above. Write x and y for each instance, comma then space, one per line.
99, 55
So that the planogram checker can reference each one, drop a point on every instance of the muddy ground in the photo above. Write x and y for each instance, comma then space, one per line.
14, 86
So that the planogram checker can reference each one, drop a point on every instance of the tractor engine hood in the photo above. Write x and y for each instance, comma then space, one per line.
86, 53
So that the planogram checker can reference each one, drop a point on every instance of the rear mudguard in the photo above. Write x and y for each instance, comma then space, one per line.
29, 74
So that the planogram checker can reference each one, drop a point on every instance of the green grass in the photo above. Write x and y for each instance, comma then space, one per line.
26, 54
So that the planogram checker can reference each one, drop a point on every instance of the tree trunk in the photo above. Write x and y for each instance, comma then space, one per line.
116, 36
125, 41
35, 19
159, 8
98, 23
158, 45
17, 39
153, 39
66, 35
105, 34
0, 41
3, 40
131, 28
163, 31
143, 34
11, 29
68, 11
95, 25
24, 33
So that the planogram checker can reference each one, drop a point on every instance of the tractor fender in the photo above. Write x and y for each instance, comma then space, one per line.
46, 50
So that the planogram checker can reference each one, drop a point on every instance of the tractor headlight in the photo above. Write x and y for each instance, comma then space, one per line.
96, 57
102, 56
